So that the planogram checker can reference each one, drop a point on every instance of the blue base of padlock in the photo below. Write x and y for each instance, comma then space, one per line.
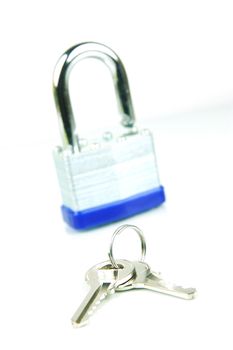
105, 214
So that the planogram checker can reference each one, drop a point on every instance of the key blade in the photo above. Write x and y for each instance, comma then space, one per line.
91, 301
155, 283
102, 279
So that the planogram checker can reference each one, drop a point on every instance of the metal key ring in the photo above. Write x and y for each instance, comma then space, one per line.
117, 232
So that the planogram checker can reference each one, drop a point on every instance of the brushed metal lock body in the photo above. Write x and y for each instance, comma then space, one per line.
110, 178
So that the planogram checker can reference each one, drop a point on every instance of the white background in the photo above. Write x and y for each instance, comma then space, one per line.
178, 56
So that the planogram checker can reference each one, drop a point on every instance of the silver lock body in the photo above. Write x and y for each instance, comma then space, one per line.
108, 171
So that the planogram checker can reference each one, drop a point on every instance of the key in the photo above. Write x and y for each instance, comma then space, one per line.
146, 279
102, 279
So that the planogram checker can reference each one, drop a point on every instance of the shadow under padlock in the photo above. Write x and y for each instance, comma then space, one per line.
110, 178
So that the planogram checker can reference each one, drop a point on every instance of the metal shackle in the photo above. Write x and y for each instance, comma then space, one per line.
61, 86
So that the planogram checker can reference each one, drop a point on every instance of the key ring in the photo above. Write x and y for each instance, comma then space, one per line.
117, 232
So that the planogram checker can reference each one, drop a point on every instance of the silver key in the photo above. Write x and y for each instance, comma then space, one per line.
103, 279
147, 279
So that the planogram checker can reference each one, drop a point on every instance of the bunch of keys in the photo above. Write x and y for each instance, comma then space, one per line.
113, 276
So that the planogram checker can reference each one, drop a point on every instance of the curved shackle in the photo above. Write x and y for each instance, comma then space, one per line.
61, 86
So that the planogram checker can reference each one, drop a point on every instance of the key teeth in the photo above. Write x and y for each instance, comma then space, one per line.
90, 312
189, 290
94, 306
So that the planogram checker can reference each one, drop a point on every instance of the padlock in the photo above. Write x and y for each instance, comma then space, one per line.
111, 178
